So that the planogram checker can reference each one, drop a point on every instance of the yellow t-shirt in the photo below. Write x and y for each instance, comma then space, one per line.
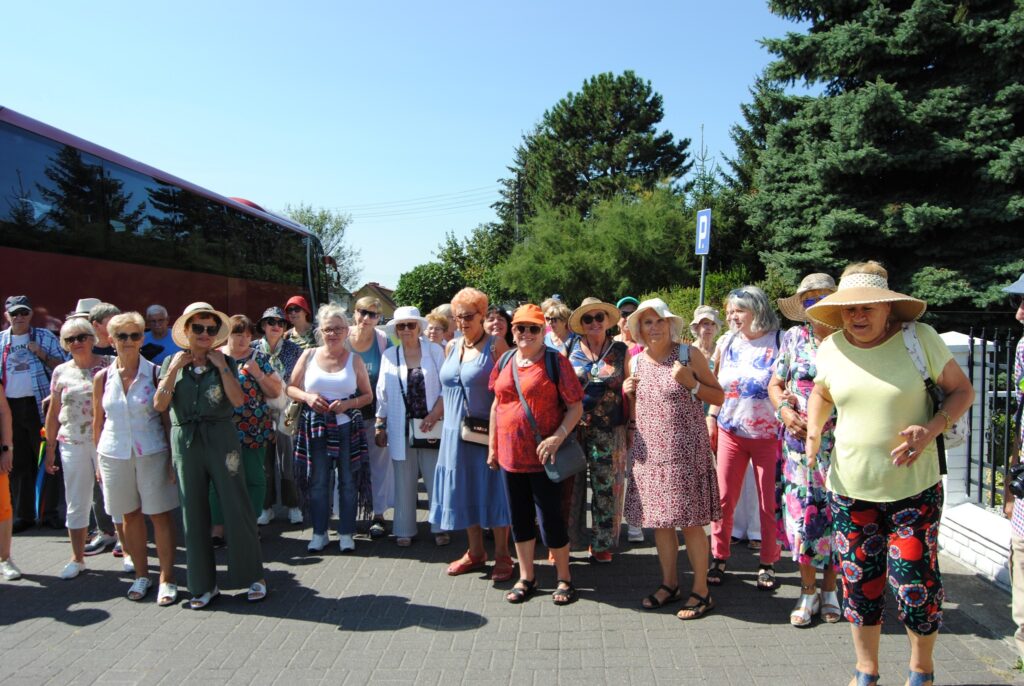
878, 392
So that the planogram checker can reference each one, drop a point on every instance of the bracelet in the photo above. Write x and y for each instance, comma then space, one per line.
713, 416
695, 390
778, 412
945, 415
161, 389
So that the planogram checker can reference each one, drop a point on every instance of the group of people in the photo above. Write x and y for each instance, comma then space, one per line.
508, 419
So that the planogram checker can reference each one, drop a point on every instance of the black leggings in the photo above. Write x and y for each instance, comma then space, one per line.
533, 497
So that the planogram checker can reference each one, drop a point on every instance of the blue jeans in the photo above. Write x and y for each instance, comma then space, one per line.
322, 470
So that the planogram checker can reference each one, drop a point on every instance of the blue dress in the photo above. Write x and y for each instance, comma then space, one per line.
466, 491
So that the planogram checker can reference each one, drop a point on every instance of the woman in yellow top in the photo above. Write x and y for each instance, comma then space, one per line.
884, 478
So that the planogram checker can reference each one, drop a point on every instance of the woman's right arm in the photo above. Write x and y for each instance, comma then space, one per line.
6, 433
165, 389
52, 429
296, 384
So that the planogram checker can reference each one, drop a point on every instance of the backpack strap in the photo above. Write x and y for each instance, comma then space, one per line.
551, 364
684, 354
505, 357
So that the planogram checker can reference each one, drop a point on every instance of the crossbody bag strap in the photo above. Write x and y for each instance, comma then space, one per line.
526, 408
917, 354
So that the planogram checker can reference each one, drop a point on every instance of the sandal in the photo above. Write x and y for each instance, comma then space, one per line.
704, 605
442, 539
467, 563
831, 612
651, 602
403, 541
864, 679
199, 602
806, 607
139, 588
167, 594
754, 545
257, 592
522, 591
919, 678
503, 569
716, 573
565, 595
766, 578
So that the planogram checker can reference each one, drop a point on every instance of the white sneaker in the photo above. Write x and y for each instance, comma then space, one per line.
99, 543
9, 570
635, 534
129, 566
71, 570
265, 517
295, 515
346, 542
317, 543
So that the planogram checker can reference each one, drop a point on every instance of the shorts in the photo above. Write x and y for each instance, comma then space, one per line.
138, 482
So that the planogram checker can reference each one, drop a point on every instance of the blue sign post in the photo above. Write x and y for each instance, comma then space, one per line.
703, 246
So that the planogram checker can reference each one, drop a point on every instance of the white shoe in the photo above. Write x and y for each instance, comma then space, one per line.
635, 534
9, 570
129, 566
807, 606
265, 517
317, 543
71, 570
295, 515
346, 542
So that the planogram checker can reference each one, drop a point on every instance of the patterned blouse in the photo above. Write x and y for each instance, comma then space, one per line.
602, 384
253, 419
744, 370
796, 368
74, 387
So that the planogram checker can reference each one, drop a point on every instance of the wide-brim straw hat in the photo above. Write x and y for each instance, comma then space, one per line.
705, 312
178, 330
864, 289
611, 314
406, 313
659, 306
793, 307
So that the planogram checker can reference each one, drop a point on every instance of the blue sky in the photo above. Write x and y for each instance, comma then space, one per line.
404, 114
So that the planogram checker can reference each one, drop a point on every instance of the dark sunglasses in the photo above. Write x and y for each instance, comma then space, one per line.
402, 326
274, 321
368, 313
625, 313
134, 335
589, 319
551, 319
532, 328
812, 301
293, 309
1016, 300
210, 330
466, 317
80, 338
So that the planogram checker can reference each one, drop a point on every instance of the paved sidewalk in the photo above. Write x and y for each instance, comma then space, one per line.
390, 615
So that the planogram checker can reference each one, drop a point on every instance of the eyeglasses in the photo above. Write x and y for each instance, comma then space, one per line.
811, 301
625, 313
466, 317
589, 319
532, 328
274, 321
368, 313
80, 338
334, 330
199, 329
403, 326
293, 309
551, 319
136, 336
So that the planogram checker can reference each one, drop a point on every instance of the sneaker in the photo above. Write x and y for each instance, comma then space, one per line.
317, 543
266, 517
72, 569
377, 529
9, 570
295, 515
118, 551
346, 542
128, 565
99, 543
635, 534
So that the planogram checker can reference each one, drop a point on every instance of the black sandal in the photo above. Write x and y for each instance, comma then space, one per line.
564, 596
522, 591
651, 602
716, 572
766, 578
704, 605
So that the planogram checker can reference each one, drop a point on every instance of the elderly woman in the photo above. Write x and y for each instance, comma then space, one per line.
332, 382
369, 343
409, 399
805, 506
601, 366
199, 385
134, 462
445, 310
8, 569
254, 420
521, 443
885, 479
437, 329
498, 323
673, 482
300, 316
278, 464
468, 495
69, 421
747, 428
556, 315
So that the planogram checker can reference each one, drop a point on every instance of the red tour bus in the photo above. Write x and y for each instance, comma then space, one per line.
78, 220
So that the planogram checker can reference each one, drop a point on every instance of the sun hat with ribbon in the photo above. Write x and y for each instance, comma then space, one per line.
793, 307
611, 314
864, 289
705, 312
406, 313
661, 307
178, 334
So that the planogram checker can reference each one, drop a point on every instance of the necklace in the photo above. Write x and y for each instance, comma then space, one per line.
527, 362
472, 346
595, 362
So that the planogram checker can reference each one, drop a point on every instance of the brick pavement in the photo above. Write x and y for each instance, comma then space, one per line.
390, 615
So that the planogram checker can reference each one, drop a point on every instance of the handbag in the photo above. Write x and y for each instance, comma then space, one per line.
569, 460
473, 429
289, 424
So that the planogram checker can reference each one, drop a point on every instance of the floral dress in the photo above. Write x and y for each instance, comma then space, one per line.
804, 512
254, 420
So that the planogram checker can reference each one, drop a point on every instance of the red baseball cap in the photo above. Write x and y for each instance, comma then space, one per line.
301, 302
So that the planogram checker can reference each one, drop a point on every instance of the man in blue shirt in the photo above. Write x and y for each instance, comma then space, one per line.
158, 335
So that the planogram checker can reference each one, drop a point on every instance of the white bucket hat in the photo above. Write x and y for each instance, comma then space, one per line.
406, 313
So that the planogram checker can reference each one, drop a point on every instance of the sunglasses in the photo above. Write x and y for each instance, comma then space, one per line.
406, 326
811, 301
199, 329
523, 328
274, 321
465, 317
368, 313
589, 319
625, 313
80, 338
19, 313
1016, 300
552, 319
293, 309
334, 331
136, 336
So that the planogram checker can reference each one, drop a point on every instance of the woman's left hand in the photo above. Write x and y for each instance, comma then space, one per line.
915, 439
216, 358
428, 422
336, 407
548, 447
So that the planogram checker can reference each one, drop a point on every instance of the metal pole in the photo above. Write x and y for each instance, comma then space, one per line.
703, 275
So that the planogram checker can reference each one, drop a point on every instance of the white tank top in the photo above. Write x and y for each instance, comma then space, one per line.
331, 385
131, 423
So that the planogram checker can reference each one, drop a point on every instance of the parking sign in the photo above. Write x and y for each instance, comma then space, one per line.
703, 232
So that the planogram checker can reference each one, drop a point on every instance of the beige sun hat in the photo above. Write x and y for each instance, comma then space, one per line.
705, 312
676, 322
793, 307
82, 308
864, 289
611, 314
178, 330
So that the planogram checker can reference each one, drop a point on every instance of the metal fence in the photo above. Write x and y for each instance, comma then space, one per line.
990, 367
